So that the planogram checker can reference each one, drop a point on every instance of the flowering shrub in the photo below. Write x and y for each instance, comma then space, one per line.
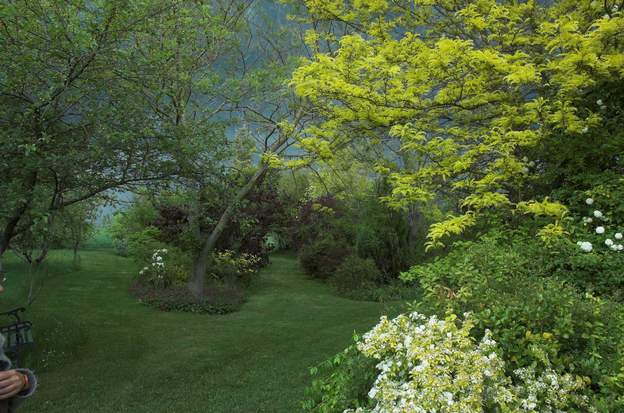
514, 287
154, 274
162, 283
548, 391
432, 365
612, 238
167, 267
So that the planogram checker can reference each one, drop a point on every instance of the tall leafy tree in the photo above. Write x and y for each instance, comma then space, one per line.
468, 88
259, 98
104, 95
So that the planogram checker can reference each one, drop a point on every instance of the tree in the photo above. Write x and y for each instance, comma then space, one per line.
75, 225
273, 116
96, 96
468, 88
69, 130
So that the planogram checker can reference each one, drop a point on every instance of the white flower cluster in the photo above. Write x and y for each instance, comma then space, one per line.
587, 246
156, 269
559, 390
433, 365
157, 258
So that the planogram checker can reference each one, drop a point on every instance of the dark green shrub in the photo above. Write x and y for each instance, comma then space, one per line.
341, 382
355, 273
135, 220
394, 239
321, 258
316, 219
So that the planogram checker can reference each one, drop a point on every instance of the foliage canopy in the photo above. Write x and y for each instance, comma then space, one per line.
467, 88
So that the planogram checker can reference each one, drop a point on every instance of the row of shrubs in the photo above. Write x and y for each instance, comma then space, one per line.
351, 275
356, 242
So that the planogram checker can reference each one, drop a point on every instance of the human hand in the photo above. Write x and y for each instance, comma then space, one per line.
11, 383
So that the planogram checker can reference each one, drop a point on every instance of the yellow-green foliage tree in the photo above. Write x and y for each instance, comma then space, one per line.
465, 86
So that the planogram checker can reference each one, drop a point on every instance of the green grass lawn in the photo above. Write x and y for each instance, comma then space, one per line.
101, 351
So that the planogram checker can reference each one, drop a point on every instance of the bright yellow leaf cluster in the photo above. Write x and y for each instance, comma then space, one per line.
465, 86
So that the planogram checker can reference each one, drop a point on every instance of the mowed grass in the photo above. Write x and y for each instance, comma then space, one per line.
101, 351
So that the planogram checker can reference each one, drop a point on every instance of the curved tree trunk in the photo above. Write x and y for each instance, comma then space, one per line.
11, 225
197, 282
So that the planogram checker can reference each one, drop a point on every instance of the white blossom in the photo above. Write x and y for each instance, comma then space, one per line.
599, 101
586, 246
618, 235
597, 214
589, 201
373, 392
608, 242
600, 230
421, 379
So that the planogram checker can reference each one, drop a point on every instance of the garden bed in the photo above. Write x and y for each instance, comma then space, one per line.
216, 300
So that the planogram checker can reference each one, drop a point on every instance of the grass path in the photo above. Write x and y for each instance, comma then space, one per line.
104, 352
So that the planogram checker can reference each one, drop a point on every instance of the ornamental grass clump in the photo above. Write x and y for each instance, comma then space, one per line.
434, 365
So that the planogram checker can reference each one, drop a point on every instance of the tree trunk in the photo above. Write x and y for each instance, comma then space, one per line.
76, 261
10, 228
198, 279
415, 225
42, 256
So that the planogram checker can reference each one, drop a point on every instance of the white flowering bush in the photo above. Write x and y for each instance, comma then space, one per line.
597, 224
155, 274
548, 392
434, 365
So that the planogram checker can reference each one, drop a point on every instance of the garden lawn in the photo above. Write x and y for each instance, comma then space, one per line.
99, 350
